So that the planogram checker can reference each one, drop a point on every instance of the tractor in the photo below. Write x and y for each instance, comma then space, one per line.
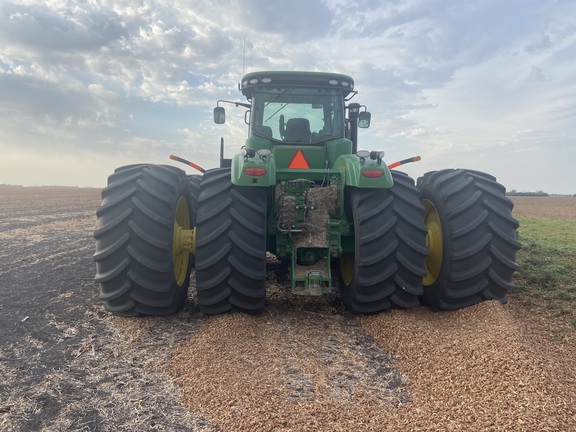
301, 192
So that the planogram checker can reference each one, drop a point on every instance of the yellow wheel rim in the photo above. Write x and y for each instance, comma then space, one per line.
434, 243
347, 267
180, 248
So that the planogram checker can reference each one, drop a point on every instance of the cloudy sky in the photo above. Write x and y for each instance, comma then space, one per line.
89, 85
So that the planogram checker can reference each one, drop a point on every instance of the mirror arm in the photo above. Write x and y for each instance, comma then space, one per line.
245, 105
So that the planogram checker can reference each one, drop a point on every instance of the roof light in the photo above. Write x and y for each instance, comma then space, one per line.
333, 82
345, 84
266, 80
253, 80
248, 152
245, 83
264, 153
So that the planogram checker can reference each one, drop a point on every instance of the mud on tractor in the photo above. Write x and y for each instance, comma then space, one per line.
301, 191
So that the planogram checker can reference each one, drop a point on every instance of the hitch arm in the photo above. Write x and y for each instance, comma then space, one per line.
404, 161
184, 161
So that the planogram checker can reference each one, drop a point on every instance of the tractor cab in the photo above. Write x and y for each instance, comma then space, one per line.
300, 117
297, 115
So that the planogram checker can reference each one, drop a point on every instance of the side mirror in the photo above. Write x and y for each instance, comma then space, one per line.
219, 115
364, 120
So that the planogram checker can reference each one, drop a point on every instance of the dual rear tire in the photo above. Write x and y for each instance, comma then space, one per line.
448, 243
141, 268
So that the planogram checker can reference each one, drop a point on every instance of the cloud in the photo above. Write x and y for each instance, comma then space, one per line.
536, 75
296, 21
38, 27
540, 43
130, 80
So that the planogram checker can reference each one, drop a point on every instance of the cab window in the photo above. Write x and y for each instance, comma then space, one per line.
297, 114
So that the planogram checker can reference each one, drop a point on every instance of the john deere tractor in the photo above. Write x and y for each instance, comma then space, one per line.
303, 194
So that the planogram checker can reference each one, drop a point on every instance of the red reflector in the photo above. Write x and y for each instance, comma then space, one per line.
372, 173
255, 171
299, 161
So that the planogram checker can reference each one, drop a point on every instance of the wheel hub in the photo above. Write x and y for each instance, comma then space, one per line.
183, 241
434, 243
347, 267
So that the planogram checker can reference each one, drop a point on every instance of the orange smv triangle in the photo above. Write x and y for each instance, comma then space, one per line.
299, 161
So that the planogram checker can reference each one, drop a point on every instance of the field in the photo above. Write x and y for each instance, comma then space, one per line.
304, 364
555, 208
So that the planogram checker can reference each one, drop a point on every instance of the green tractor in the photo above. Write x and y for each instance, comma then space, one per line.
301, 193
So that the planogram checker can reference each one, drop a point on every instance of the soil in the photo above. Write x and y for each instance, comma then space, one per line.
303, 364
550, 207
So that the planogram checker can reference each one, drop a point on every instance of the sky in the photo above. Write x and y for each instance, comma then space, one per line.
90, 85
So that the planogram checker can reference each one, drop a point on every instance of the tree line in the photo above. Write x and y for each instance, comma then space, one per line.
539, 193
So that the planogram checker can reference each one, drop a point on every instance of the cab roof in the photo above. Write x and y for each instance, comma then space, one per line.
328, 80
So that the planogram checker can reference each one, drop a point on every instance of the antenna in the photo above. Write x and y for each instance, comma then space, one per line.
244, 58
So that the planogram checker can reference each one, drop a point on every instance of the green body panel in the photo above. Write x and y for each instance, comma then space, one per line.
317, 155
240, 164
324, 160
258, 143
336, 148
352, 168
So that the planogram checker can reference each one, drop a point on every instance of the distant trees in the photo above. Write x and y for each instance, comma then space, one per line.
539, 193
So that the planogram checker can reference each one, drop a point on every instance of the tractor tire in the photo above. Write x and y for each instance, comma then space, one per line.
411, 233
230, 245
194, 187
139, 269
387, 266
471, 239
194, 182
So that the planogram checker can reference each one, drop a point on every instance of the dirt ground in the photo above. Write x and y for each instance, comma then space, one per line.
302, 365
551, 207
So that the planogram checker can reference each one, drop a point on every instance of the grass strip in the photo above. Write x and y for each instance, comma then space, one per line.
547, 278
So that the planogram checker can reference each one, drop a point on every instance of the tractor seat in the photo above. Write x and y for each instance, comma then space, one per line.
265, 131
297, 130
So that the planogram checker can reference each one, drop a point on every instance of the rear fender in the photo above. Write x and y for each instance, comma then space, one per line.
255, 171
353, 172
